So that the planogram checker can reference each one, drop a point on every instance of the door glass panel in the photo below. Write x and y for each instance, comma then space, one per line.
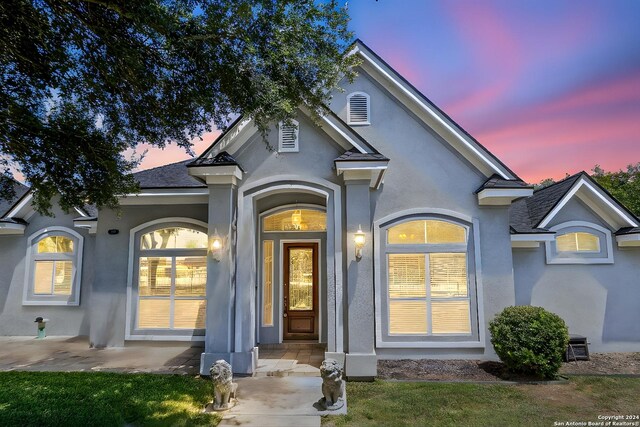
301, 279
267, 283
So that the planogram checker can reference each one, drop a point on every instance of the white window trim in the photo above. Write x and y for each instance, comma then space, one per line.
368, 122
282, 149
377, 258
129, 326
575, 257
30, 265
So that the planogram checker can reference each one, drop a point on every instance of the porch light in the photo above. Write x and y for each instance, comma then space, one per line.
216, 246
296, 219
359, 240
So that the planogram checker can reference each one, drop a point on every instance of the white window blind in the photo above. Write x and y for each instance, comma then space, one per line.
358, 109
578, 242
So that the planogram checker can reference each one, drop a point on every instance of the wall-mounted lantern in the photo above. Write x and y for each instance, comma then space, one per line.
217, 244
359, 240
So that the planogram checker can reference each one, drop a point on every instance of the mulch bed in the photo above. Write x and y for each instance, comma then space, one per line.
475, 370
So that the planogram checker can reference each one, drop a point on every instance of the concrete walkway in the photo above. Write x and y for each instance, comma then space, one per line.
73, 354
272, 401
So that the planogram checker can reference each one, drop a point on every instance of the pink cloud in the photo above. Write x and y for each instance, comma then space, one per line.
172, 153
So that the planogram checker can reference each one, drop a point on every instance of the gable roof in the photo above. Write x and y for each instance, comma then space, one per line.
174, 175
533, 214
430, 113
20, 191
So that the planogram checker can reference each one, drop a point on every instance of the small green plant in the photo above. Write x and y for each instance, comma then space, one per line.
530, 340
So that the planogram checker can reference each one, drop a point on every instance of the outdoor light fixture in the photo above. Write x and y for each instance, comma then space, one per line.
216, 246
358, 239
296, 219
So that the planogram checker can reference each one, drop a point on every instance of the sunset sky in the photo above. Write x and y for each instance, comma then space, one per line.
550, 87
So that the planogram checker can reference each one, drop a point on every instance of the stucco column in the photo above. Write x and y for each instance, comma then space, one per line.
220, 280
360, 361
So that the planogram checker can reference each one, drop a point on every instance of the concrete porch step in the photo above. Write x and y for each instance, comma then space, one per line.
294, 345
284, 368
271, 420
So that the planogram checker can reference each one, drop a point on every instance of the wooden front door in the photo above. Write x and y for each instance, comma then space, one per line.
300, 291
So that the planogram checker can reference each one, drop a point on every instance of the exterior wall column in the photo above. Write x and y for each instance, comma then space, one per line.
360, 360
222, 323
220, 280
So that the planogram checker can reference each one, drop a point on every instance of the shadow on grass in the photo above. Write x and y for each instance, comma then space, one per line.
97, 399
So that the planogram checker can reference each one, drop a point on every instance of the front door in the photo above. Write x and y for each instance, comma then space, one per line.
300, 291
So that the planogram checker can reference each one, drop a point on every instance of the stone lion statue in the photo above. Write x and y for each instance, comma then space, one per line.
332, 384
224, 388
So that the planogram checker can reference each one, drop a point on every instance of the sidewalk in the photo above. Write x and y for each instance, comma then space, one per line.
73, 354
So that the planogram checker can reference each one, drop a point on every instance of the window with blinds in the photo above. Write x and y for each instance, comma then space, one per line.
578, 242
172, 279
358, 109
288, 141
428, 288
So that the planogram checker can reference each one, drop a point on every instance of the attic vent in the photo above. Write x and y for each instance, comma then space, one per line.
288, 141
358, 109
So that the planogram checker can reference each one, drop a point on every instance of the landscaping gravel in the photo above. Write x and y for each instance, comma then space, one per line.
474, 370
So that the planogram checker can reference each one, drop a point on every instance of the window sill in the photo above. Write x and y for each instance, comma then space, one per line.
63, 303
580, 261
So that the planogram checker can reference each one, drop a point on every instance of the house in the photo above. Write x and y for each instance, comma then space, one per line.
383, 231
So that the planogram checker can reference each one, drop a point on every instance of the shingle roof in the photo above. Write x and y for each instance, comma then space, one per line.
221, 159
496, 181
6, 205
526, 213
354, 155
628, 230
174, 175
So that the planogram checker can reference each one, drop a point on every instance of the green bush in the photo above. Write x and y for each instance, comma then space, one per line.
530, 340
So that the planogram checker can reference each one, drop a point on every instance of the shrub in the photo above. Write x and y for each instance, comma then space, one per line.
530, 340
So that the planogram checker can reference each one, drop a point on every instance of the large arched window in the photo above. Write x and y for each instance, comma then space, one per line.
171, 278
54, 268
428, 281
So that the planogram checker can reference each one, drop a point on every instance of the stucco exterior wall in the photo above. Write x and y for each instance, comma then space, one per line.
109, 293
18, 319
426, 174
597, 301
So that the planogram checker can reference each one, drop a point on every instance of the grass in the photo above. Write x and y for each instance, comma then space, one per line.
102, 399
409, 404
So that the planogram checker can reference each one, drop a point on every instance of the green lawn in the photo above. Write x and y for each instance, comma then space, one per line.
102, 399
105, 399
408, 404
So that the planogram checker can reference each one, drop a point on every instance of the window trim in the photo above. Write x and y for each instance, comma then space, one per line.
473, 227
131, 333
295, 149
28, 297
368, 98
578, 257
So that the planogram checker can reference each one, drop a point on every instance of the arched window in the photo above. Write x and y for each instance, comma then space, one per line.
296, 220
428, 276
54, 267
580, 242
171, 278
358, 109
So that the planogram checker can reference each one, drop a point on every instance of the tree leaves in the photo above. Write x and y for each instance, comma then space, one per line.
82, 81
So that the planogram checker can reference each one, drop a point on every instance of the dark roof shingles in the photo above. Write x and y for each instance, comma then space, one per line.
174, 175
354, 155
20, 190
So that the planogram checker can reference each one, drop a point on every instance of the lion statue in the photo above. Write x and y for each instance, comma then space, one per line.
223, 386
332, 385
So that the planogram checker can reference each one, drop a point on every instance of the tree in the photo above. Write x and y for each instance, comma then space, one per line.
624, 185
82, 81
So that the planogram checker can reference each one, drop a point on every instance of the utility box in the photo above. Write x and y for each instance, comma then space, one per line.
578, 348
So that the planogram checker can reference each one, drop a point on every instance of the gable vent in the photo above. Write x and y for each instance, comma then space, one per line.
358, 109
288, 141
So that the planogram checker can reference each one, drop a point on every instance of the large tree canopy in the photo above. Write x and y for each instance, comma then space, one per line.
83, 81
